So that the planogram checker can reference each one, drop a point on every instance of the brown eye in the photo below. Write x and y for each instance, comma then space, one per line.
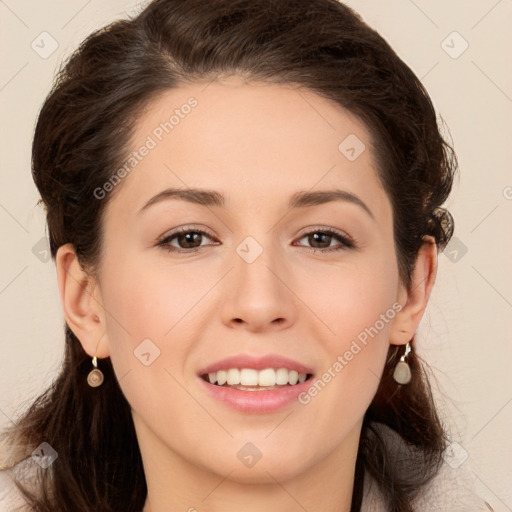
184, 240
189, 240
320, 240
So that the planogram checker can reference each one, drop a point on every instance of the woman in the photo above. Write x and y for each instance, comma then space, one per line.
244, 203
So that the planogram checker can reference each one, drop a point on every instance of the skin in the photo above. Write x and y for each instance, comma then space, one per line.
257, 144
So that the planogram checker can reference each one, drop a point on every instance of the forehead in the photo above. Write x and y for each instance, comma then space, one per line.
261, 140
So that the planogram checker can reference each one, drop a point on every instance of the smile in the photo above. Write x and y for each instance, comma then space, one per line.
251, 379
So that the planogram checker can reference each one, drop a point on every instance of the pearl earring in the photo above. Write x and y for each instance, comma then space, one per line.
402, 373
95, 377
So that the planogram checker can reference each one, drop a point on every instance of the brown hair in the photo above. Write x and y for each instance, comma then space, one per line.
83, 132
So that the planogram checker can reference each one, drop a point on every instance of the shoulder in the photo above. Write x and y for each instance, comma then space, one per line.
11, 498
451, 490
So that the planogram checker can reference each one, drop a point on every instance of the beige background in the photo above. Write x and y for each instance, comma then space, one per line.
466, 334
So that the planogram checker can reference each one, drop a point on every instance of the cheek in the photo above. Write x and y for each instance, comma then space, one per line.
150, 311
147, 311
356, 301
359, 306
149, 301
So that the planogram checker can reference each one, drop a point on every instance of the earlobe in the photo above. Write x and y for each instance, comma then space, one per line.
414, 300
81, 302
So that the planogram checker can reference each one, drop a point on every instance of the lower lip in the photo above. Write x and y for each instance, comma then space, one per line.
256, 401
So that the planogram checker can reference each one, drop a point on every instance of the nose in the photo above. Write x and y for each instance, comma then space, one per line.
258, 295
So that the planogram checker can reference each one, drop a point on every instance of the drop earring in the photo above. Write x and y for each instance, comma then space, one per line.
95, 377
402, 373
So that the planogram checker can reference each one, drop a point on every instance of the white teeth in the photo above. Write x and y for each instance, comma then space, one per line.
249, 377
269, 377
233, 376
282, 376
222, 377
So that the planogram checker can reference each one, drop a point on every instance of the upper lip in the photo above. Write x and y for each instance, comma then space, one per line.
257, 362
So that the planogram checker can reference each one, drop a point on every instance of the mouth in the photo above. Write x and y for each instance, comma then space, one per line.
252, 379
256, 384
279, 388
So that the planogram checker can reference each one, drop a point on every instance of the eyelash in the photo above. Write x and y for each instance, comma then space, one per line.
346, 241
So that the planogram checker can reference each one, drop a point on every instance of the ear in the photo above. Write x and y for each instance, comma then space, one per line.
81, 301
414, 300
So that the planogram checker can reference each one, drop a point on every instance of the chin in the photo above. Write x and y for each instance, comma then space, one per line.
243, 462
261, 473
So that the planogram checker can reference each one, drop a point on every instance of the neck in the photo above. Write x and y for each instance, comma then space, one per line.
175, 484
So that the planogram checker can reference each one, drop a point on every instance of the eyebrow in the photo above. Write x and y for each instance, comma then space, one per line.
301, 199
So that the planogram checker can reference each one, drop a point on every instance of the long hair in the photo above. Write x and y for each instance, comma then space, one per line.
83, 131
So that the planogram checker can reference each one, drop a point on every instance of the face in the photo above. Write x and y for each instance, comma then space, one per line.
260, 269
